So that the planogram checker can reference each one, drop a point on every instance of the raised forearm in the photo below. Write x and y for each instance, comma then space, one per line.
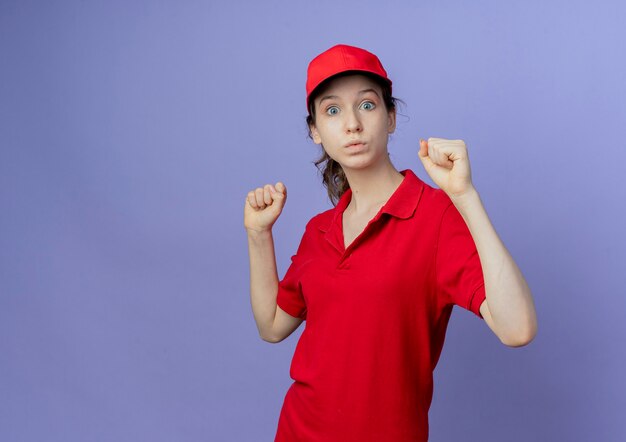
508, 296
263, 280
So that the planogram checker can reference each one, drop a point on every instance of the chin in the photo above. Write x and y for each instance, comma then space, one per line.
362, 161
356, 165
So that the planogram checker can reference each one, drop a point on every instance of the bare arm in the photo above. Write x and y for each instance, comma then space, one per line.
508, 309
273, 323
262, 207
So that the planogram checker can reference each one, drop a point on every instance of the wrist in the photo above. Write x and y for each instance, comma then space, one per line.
254, 233
466, 199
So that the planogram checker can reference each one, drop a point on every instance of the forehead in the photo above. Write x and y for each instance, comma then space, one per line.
348, 85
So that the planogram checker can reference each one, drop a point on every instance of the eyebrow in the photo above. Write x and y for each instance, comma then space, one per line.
328, 97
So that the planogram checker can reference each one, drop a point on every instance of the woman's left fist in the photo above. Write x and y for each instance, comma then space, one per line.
447, 163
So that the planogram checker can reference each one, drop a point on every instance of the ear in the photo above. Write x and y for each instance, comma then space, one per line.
315, 134
391, 121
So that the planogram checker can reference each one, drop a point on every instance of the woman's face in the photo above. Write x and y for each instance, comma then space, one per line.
351, 110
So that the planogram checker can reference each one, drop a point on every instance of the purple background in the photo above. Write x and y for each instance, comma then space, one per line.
130, 133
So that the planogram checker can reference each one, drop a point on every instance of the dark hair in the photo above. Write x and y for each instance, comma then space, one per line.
333, 176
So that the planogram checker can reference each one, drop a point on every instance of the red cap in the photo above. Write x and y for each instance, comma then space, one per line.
338, 59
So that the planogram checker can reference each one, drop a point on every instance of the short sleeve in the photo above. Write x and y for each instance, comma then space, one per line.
290, 297
458, 270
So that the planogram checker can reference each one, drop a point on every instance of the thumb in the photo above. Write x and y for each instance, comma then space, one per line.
281, 191
433, 169
423, 154
280, 187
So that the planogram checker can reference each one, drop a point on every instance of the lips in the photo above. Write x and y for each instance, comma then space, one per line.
355, 143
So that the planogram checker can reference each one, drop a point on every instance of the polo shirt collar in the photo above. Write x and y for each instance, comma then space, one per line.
401, 204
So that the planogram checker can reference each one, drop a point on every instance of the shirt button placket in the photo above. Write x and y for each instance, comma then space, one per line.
344, 262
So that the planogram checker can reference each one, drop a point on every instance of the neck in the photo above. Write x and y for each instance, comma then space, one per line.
372, 186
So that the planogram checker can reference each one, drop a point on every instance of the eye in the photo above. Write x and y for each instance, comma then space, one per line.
368, 105
332, 110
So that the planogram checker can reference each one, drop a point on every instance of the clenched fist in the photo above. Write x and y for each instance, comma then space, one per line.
263, 206
447, 163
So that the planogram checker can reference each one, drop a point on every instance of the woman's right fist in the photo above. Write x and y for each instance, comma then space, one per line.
263, 206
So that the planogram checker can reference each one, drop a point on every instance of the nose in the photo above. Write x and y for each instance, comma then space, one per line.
353, 123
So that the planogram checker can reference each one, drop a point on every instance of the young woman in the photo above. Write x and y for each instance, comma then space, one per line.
376, 276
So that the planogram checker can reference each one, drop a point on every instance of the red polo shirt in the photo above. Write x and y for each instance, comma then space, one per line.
376, 316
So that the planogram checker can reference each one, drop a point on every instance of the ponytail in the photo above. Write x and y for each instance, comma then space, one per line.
333, 177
